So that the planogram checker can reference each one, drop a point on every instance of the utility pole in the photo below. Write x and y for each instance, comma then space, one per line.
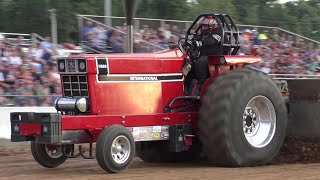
53, 27
108, 12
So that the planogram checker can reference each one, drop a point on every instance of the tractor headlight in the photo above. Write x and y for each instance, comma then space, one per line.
61, 65
82, 104
82, 65
72, 104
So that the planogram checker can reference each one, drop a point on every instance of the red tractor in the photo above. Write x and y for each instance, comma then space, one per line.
136, 104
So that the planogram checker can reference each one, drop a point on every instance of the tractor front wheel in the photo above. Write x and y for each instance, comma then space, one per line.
115, 149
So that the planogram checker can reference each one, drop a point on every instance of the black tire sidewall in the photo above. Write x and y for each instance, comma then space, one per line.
104, 145
245, 152
40, 154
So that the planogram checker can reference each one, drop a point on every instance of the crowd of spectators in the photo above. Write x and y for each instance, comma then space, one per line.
28, 75
146, 39
281, 53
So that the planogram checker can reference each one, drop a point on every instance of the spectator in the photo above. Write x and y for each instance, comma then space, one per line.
41, 91
275, 35
263, 36
3, 100
19, 45
2, 75
167, 31
161, 36
117, 41
255, 37
175, 31
85, 30
47, 48
35, 52
100, 38
318, 54
145, 29
53, 74
2, 50
37, 65
47, 102
247, 34
15, 58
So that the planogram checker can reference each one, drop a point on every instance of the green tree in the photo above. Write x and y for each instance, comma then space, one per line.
67, 10
28, 16
307, 18
215, 6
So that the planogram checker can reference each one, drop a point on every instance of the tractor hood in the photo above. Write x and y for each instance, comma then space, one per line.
166, 61
165, 54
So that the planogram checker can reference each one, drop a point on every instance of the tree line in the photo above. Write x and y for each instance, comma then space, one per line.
32, 16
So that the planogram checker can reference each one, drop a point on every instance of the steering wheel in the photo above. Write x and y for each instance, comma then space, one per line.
190, 50
180, 45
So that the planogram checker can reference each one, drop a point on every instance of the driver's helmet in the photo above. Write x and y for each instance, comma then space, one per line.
207, 24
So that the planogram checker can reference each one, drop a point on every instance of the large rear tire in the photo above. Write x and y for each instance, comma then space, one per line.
242, 119
49, 156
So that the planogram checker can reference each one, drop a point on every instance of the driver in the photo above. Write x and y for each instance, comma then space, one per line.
207, 42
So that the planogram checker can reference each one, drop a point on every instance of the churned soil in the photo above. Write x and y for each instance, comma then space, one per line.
297, 160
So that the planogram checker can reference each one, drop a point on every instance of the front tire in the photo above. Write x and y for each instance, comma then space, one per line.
242, 119
115, 149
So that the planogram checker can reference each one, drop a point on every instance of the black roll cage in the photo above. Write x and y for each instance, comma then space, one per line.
228, 29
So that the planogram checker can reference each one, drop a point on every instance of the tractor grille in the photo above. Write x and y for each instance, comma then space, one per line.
75, 86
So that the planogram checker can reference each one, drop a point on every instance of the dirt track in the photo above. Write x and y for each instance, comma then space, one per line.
16, 162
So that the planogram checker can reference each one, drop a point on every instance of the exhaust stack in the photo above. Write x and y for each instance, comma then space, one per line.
130, 7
